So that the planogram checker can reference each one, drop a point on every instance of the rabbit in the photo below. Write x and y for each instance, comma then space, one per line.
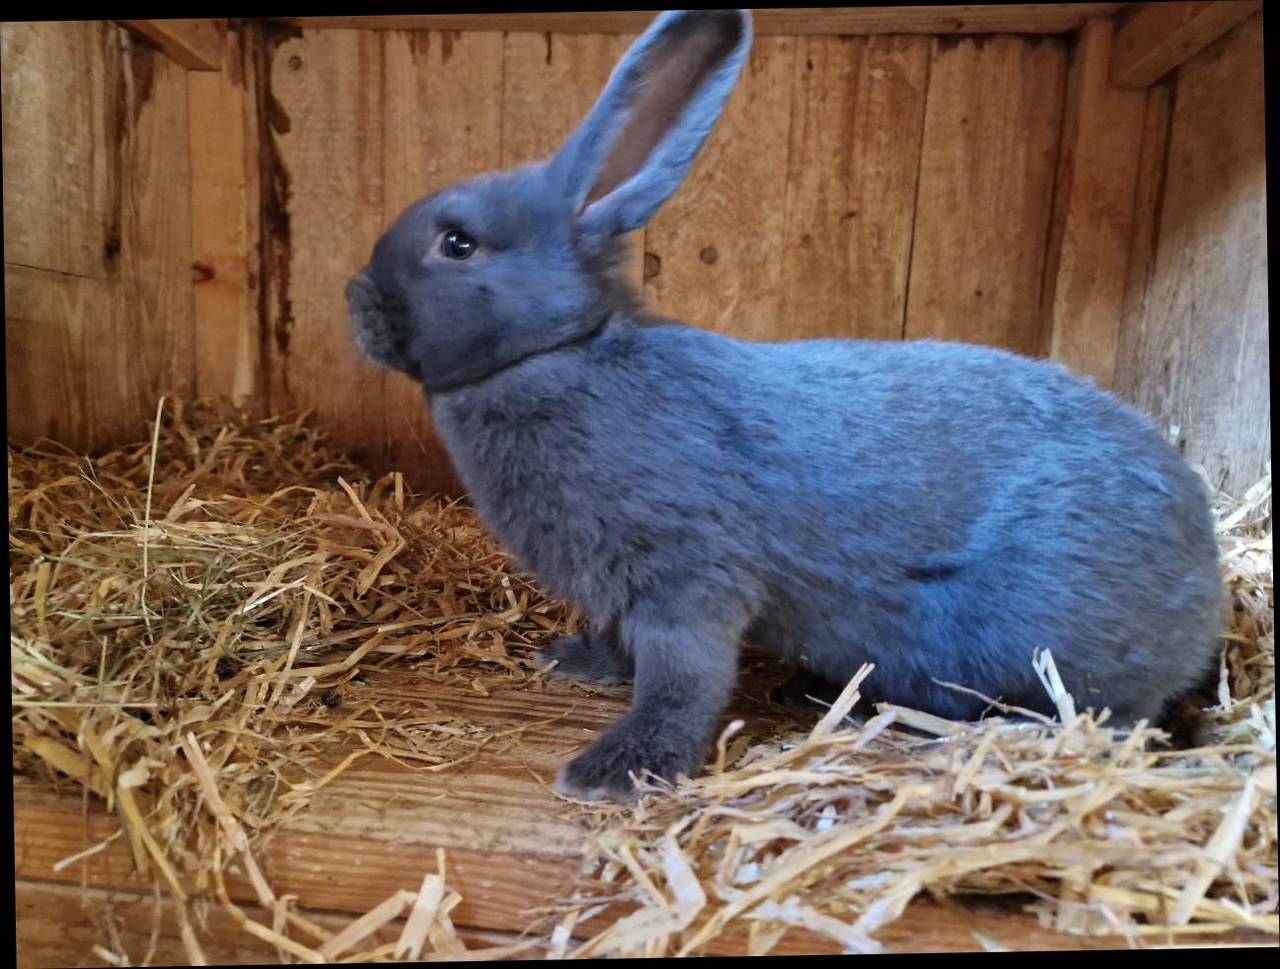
941, 510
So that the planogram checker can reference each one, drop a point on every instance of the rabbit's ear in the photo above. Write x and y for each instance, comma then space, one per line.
636, 145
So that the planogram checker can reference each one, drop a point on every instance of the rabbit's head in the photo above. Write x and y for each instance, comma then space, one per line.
488, 272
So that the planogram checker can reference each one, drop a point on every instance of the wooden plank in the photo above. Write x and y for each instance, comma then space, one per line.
818, 290
328, 92
550, 82
437, 132
65, 131
711, 252
54, 203
992, 121
225, 201
1087, 261
857, 117
1146, 233
152, 349
48, 383
59, 925
1015, 18
1195, 346
122, 335
350, 873
273, 253
549, 85
1154, 38
510, 843
195, 44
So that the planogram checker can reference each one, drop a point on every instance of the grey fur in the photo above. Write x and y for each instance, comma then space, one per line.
938, 509
589, 657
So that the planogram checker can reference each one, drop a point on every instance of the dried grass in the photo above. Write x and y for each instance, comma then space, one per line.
837, 829
184, 610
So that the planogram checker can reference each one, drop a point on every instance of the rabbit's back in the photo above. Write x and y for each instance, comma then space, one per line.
977, 505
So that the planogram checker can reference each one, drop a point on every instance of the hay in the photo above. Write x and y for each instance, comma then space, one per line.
837, 830
185, 613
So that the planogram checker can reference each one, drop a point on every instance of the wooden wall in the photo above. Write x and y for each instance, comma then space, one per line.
97, 232
991, 188
1195, 347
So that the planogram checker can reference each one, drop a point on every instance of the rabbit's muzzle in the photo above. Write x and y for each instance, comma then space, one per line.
379, 329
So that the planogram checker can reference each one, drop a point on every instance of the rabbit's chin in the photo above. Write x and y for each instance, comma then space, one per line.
373, 342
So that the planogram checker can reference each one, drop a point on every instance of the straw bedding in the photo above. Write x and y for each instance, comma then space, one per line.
183, 611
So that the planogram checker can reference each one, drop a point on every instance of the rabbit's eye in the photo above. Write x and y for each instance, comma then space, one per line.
456, 244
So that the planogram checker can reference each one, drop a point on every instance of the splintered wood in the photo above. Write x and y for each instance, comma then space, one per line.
186, 612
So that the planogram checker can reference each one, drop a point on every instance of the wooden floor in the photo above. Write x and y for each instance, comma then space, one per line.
511, 845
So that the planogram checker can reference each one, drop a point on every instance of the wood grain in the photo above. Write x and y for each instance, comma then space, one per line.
1195, 345
58, 925
438, 131
714, 249
48, 387
152, 350
856, 121
329, 87
225, 204
510, 844
1154, 38
1090, 236
992, 121
550, 83
1014, 18
195, 44
1145, 239
818, 295
92, 347
54, 168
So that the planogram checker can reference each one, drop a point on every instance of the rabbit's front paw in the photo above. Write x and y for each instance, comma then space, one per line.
632, 746
589, 658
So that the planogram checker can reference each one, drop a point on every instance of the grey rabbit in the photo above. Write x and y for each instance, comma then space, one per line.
939, 509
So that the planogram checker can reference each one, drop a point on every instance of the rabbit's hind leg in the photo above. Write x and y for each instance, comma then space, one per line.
592, 657
803, 688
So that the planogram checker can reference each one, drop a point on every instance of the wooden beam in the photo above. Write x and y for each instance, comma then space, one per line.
1154, 38
987, 18
1087, 261
195, 44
